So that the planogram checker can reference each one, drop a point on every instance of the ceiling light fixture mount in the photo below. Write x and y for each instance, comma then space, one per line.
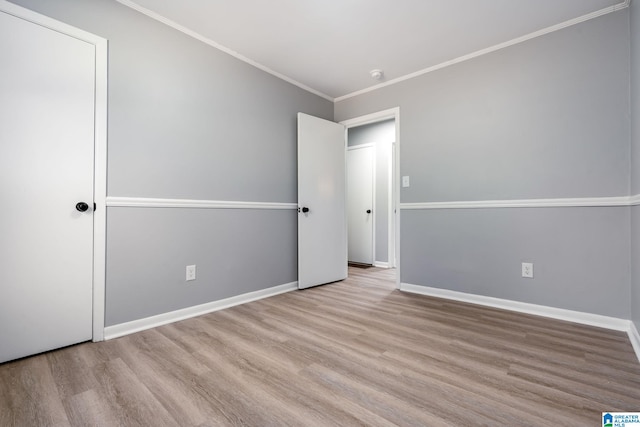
376, 74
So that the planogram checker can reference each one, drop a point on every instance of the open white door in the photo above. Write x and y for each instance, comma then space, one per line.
360, 161
47, 82
322, 217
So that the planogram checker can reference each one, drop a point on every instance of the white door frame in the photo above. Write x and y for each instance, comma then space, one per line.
100, 147
392, 113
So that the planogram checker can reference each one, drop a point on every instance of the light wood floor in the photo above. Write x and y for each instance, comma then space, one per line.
357, 352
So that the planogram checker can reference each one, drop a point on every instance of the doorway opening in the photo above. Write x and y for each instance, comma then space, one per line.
372, 190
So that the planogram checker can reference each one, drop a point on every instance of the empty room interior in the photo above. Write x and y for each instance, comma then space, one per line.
186, 242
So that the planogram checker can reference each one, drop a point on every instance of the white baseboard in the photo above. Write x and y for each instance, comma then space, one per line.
381, 264
634, 337
127, 328
598, 320
607, 322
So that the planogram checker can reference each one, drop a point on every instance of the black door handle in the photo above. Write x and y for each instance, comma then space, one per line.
82, 206
305, 209
368, 210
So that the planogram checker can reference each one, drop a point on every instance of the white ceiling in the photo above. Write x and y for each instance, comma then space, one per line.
331, 45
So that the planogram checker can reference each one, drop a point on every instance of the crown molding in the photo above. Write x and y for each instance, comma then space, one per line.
491, 49
153, 15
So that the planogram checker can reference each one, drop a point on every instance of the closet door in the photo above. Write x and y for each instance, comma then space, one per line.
47, 82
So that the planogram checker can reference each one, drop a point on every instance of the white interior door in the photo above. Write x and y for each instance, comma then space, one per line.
47, 86
322, 223
360, 169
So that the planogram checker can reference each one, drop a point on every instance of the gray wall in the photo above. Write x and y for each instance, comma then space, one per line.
541, 119
381, 131
580, 256
228, 248
381, 134
635, 159
188, 121
547, 118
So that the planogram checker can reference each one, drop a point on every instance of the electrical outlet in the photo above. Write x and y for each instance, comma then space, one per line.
191, 272
527, 270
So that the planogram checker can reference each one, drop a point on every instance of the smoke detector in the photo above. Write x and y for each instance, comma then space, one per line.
376, 74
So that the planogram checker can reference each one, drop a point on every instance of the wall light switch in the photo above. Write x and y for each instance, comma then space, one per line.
527, 270
191, 272
405, 181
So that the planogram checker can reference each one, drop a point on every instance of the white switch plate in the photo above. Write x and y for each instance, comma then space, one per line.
405, 181
527, 270
191, 272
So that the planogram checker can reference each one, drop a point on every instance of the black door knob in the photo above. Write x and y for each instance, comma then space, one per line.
368, 210
81, 206
305, 209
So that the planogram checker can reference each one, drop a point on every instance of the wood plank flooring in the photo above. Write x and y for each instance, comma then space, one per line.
357, 352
